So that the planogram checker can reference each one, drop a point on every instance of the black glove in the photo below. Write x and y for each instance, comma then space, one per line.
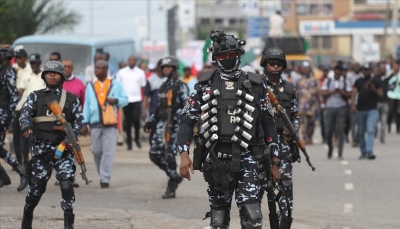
148, 125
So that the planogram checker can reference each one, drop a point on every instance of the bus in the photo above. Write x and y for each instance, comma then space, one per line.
79, 49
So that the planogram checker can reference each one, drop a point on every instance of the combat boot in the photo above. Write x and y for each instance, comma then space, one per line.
172, 186
286, 223
4, 178
20, 169
69, 220
27, 219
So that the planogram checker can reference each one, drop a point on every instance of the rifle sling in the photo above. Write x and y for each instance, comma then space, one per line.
52, 118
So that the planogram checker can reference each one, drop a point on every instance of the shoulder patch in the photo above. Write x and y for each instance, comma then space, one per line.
206, 76
254, 78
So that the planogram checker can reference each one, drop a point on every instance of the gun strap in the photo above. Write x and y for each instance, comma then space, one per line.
52, 118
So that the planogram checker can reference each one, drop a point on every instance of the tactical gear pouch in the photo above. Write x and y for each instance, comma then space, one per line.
257, 152
207, 171
199, 152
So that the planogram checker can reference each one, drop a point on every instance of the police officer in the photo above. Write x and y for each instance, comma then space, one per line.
165, 119
238, 127
8, 102
274, 62
46, 140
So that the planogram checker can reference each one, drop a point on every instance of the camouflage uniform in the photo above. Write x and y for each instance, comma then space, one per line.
8, 87
250, 179
286, 168
165, 158
43, 162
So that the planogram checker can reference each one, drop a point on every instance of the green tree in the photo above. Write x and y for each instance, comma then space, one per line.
26, 17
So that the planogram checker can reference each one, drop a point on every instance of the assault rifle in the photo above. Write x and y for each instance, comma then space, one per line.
67, 128
167, 127
282, 112
273, 216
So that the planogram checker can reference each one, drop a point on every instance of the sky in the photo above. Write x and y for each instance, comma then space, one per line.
118, 17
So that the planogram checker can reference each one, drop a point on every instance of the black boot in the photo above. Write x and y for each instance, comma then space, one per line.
20, 169
172, 186
286, 223
27, 219
4, 178
69, 220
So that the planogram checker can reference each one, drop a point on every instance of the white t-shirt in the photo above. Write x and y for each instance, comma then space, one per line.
132, 80
30, 82
21, 72
276, 24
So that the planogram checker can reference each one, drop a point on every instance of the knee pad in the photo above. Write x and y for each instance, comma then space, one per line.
288, 187
220, 219
67, 191
251, 216
31, 202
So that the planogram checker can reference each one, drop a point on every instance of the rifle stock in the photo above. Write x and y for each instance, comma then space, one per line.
273, 215
282, 112
167, 134
67, 128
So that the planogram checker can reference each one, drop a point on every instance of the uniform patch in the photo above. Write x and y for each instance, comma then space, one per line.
229, 85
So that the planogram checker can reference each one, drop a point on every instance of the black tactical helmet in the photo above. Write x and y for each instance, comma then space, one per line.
6, 50
225, 43
170, 61
54, 66
273, 54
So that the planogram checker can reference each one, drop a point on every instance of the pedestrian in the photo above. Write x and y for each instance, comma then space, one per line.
55, 56
102, 95
232, 101
383, 104
8, 103
89, 70
369, 91
46, 140
111, 69
353, 75
336, 93
189, 79
394, 96
274, 62
151, 91
21, 64
308, 94
133, 81
165, 122
72, 84
325, 70
31, 81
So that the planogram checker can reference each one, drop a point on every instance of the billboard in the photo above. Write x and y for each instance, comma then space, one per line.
154, 50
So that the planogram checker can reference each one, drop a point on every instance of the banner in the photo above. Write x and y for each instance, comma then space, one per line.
154, 50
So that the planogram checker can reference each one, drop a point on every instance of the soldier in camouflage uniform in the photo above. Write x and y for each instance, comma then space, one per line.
238, 127
8, 102
274, 62
46, 140
162, 153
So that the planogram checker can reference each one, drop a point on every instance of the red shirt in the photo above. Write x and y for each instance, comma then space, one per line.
76, 87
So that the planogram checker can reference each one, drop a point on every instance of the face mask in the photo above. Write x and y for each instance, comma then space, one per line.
229, 63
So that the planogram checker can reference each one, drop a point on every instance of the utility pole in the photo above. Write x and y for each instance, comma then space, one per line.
383, 41
91, 17
148, 19
395, 19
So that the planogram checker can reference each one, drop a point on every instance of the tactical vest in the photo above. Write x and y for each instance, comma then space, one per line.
162, 111
232, 111
284, 94
4, 93
48, 130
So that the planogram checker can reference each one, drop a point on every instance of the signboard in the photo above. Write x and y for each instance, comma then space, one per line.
154, 50
191, 49
141, 26
378, 2
270, 7
255, 27
316, 27
370, 51
249, 7
186, 13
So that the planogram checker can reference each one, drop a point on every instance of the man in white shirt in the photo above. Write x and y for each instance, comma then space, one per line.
133, 80
276, 24
30, 82
21, 64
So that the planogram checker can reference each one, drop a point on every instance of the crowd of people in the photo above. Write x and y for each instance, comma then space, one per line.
348, 100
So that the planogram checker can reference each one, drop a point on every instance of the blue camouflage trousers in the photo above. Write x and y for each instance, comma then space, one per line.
163, 157
286, 170
4, 124
248, 188
40, 169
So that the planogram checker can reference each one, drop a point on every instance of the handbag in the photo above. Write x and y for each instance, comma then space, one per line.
108, 114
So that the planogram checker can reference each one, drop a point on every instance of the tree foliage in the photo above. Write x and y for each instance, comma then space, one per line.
26, 17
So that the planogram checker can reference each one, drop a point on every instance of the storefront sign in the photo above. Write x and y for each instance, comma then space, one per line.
316, 27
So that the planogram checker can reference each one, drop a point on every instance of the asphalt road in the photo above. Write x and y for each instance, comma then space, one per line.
349, 194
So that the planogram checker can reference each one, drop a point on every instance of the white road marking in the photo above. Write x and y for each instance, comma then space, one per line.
348, 172
344, 162
349, 186
348, 208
